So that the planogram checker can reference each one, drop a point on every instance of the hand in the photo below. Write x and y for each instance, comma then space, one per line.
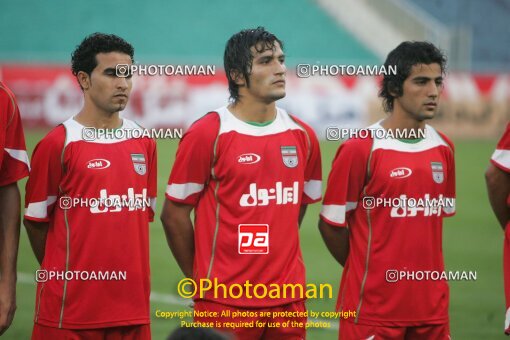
7, 304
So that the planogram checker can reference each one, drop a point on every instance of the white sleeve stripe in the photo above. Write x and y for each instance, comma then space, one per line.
502, 157
507, 318
336, 213
182, 191
449, 209
153, 203
20, 155
351, 206
313, 189
40, 209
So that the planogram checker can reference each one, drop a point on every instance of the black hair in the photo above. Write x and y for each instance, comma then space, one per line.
404, 57
84, 56
238, 55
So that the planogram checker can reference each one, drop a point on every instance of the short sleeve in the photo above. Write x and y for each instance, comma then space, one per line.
14, 164
313, 171
501, 156
42, 187
346, 181
193, 161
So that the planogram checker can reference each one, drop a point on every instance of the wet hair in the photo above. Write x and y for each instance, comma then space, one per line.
238, 55
404, 57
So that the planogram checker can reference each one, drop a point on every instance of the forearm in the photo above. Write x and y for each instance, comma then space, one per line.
37, 233
498, 187
180, 234
336, 240
9, 231
181, 240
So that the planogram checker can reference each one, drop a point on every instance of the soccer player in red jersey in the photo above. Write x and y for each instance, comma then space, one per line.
14, 166
498, 186
371, 234
89, 200
248, 170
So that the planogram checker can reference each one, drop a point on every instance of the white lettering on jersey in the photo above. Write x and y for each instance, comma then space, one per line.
261, 197
410, 207
116, 203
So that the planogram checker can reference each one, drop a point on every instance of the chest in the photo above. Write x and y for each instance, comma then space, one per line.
118, 165
395, 172
279, 157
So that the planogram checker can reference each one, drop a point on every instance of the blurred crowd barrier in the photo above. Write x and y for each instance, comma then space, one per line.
473, 106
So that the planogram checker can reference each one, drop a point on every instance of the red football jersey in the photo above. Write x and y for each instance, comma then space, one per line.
387, 238
247, 184
501, 156
14, 163
107, 244
501, 159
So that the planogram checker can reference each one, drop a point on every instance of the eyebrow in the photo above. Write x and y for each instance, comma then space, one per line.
269, 56
109, 69
427, 78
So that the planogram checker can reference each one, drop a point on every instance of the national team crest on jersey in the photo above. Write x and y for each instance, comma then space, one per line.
139, 163
289, 156
437, 172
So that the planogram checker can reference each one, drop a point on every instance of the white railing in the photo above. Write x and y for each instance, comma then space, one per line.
382, 24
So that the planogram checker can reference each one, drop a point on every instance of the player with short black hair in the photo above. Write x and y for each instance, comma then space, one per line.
404, 57
84, 57
383, 244
88, 205
248, 170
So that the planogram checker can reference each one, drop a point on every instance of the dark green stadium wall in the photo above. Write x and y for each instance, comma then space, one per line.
192, 31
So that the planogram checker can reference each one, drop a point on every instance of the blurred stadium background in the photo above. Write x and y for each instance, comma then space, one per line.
38, 38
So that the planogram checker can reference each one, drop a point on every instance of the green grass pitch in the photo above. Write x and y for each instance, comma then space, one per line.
472, 241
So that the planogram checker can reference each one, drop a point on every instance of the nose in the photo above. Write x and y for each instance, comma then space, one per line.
433, 90
280, 68
122, 83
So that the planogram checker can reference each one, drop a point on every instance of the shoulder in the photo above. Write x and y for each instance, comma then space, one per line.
304, 126
204, 122
8, 105
54, 141
206, 127
307, 128
131, 124
56, 136
443, 138
362, 142
6, 94
357, 146
504, 142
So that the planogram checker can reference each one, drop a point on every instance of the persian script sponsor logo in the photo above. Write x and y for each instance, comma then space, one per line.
98, 164
248, 158
401, 173
279, 194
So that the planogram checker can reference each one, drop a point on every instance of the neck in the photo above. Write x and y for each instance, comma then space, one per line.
99, 119
398, 120
253, 111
